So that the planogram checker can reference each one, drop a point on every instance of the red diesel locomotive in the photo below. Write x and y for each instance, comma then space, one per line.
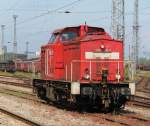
83, 66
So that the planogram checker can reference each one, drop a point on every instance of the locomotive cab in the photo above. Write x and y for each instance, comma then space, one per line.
83, 65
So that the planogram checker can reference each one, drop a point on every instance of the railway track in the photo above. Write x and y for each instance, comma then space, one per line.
26, 85
138, 101
20, 94
145, 90
141, 101
16, 81
97, 116
20, 118
122, 118
142, 97
143, 84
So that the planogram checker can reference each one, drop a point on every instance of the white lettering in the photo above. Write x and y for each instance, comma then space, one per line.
101, 55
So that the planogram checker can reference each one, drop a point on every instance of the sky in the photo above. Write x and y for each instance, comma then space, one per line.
38, 18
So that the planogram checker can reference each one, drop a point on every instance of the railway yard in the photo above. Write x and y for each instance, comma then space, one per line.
20, 107
74, 63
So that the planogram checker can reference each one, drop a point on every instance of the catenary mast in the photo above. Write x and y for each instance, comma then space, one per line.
15, 39
135, 41
118, 20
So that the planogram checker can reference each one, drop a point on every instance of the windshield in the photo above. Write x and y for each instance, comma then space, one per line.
68, 36
53, 37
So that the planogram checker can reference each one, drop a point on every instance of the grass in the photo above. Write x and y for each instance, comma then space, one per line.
127, 74
19, 74
143, 73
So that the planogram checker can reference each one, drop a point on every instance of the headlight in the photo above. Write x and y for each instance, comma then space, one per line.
86, 75
118, 76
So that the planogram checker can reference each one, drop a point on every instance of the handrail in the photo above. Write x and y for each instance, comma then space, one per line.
95, 61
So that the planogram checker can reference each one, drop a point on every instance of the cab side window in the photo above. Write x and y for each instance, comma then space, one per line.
68, 36
53, 37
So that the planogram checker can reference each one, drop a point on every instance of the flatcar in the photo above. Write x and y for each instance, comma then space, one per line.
83, 66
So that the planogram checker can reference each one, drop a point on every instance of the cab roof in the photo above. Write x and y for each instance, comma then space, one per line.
78, 27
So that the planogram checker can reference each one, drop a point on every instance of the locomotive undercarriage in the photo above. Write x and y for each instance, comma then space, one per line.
104, 96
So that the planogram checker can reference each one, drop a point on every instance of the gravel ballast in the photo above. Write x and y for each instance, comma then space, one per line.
44, 114
6, 120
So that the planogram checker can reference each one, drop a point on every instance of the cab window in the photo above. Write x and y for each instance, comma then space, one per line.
53, 37
68, 36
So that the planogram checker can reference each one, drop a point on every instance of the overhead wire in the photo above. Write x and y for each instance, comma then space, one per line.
84, 12
45, 13
50, 11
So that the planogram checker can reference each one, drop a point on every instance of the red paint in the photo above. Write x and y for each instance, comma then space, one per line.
56, 57
33, 65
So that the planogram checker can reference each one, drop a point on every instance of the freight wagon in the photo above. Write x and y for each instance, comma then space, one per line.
31, 65
7, 66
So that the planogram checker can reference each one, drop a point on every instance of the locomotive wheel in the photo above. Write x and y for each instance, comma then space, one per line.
41, 93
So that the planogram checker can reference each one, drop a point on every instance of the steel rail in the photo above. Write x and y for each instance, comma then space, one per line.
20, 118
